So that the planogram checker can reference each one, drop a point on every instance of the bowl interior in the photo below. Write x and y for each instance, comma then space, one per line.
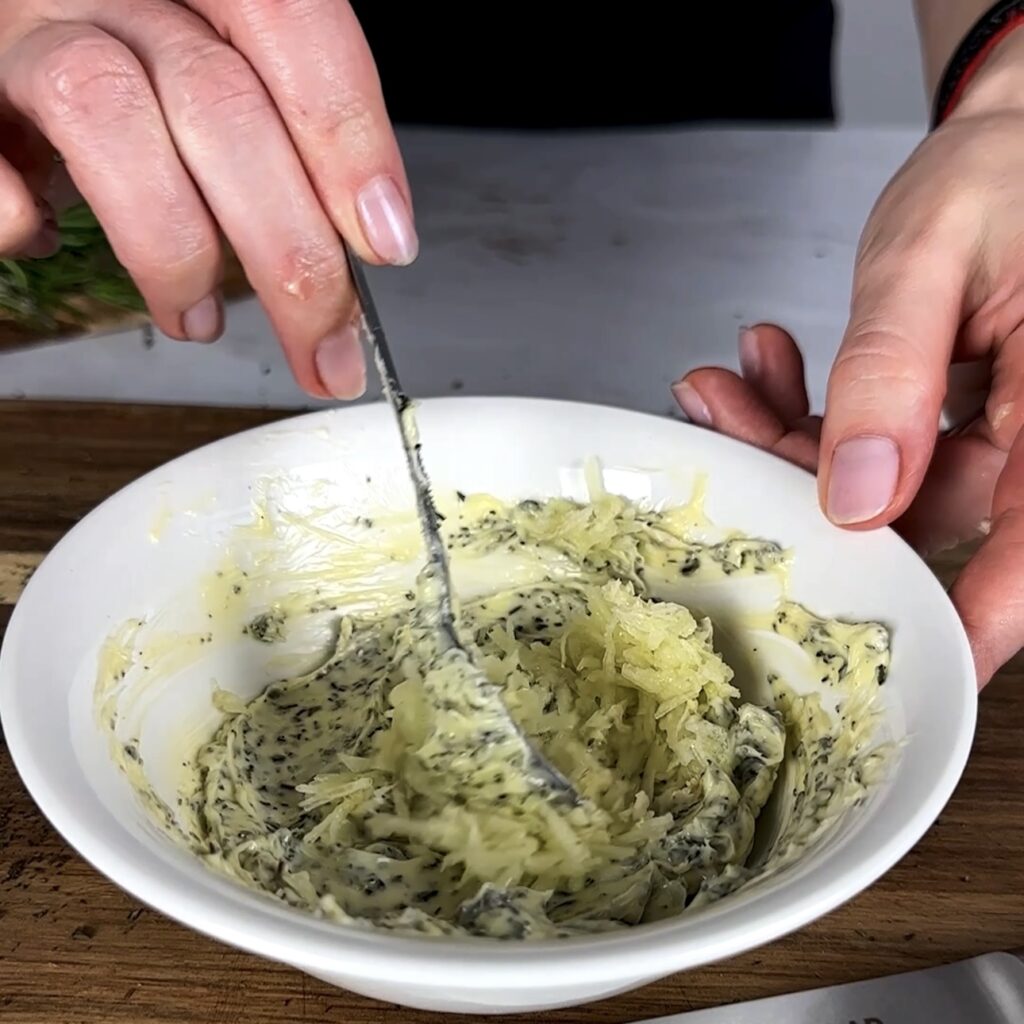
154, 551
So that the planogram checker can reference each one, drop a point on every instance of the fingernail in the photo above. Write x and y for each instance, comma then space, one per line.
387, 222
862, 483
46, 242
750, 353
340, 364
691, 403
205, 320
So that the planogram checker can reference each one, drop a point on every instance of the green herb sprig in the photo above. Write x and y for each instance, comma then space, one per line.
41, 294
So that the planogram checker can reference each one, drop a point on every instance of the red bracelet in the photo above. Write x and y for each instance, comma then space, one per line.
986, 33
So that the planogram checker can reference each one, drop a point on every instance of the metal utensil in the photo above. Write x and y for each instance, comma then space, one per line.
488, 702
967, 389
987, 989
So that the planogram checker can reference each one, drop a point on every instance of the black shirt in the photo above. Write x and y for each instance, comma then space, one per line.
534, 64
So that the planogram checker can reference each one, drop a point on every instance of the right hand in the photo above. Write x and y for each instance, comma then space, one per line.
261, 119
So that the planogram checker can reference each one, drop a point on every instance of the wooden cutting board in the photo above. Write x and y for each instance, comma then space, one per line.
75, 948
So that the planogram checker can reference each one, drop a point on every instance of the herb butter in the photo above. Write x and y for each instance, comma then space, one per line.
352, 792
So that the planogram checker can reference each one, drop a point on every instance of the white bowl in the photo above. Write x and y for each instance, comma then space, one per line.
137, 551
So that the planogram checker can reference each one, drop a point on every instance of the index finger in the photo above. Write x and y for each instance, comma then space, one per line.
316, 64
888, 382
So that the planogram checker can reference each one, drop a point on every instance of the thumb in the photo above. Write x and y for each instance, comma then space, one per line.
888, 382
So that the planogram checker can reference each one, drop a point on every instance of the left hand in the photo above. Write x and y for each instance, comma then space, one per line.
971, 486
939, 278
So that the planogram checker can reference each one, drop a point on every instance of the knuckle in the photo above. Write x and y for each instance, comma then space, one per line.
88, 74
311, 270
338, 112
217, 85
878, 365
341, 114
169, 249
190, 257
163, 247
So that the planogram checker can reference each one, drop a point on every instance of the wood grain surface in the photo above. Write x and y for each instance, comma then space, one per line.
75, 948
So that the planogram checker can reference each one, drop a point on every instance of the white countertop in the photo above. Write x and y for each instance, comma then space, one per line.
596, 268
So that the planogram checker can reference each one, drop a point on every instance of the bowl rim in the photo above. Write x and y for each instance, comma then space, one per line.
260, 925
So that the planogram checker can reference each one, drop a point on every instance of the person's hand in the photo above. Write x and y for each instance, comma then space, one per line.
259, 119
939, 278
969, 488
